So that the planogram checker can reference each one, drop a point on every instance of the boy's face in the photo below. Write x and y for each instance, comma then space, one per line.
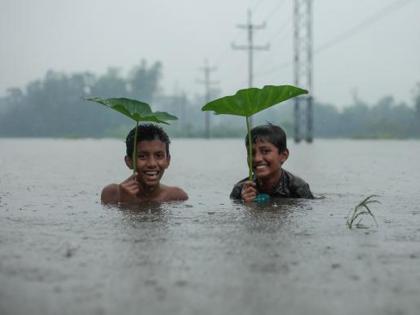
152, 161
267, 160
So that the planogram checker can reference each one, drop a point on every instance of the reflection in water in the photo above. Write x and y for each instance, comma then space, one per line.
280, 207
271, 216
208, 255
144, 212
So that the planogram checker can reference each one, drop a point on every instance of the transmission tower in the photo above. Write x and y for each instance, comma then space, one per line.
207, 92
303, 110
250, 47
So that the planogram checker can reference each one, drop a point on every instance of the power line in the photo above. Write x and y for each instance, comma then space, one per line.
281, 30
274, 11
256, 5
391, 8
280, 66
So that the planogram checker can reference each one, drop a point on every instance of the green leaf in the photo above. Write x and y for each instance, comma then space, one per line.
135, 110
248, 102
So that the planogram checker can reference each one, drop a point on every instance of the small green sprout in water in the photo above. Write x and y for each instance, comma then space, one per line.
360, 210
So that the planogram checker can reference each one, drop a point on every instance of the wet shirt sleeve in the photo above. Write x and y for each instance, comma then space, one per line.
236, 191
303, 191
297, 187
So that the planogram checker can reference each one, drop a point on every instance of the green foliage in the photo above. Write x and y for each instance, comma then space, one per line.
248, 102
133, 109
360, 210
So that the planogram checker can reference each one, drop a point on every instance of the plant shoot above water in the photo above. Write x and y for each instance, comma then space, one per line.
360, 210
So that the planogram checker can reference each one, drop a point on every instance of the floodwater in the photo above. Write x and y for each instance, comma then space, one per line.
62, 252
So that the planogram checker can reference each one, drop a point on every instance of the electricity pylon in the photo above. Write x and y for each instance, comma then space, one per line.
303, 69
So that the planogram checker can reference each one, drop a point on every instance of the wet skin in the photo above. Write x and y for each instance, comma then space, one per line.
144, 185
152, 161
267, 163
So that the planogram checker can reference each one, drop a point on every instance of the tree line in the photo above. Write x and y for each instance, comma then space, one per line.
54, 106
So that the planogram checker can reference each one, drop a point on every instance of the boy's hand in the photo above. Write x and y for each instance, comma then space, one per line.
249, 191
129, 188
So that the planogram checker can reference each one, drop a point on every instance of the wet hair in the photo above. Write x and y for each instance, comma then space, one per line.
270, 133
146, 132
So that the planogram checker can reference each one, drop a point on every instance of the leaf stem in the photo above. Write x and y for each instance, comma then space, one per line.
134, 158
249, 148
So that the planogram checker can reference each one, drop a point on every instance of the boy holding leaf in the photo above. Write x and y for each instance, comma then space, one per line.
153, 158
269, 152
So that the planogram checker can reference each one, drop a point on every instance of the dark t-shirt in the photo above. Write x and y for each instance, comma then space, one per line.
289, 186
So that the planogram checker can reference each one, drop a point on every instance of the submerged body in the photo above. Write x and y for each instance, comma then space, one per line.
118, 193
153, 159
288, 186
269, 153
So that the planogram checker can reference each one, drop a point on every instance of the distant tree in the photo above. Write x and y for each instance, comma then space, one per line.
417, 101
110, 84
54, 105
143, 81
327, 122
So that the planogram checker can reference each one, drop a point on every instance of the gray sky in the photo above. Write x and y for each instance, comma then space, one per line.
381, 57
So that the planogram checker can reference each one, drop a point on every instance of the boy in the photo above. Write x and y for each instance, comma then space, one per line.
269, 153
152, 160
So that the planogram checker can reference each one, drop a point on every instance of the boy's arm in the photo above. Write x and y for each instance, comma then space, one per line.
244, 190
110, 194
304, 191
127, 190
237, 189
249, 191
236, 192
177, 194
299, 187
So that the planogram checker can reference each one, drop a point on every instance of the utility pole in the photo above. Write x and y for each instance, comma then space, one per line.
207, 91
303, 68
250, 47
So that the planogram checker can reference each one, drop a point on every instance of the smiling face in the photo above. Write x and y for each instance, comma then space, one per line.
152, 161
267, 160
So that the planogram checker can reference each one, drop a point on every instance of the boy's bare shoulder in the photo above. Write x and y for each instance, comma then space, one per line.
110, 194
173, 193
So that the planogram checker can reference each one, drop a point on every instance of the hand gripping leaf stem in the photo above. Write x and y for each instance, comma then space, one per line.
248, 102
137, 111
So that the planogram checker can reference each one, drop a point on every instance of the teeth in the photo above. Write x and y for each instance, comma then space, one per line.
151, 173
260, 166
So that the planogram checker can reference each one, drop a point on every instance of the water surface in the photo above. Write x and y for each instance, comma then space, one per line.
62, 252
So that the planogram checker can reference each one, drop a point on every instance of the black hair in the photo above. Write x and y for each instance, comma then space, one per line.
146, 132
270, 133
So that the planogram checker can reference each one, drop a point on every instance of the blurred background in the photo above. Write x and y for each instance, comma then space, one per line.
361, 60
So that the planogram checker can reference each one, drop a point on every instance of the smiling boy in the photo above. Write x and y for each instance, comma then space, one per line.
153, 159
269, 153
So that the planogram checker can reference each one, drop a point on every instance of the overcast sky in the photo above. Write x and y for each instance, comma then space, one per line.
373, 51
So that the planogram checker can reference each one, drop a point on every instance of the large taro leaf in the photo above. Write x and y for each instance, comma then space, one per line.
248, 102
136, 110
